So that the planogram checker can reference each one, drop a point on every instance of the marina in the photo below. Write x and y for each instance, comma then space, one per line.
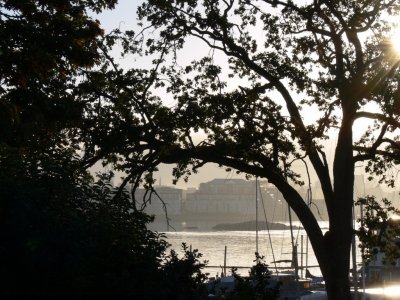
227, 249
241, 248
240, 253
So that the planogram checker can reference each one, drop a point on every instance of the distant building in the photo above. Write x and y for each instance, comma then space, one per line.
233, 197
220, 201
170, 196
222, 196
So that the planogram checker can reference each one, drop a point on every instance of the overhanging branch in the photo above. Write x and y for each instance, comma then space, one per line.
379, 117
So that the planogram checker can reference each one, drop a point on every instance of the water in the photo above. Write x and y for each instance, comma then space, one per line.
241, 248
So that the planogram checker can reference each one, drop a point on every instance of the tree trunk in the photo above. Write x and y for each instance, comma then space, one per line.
336, 268
337, 284
338, 238
333, 249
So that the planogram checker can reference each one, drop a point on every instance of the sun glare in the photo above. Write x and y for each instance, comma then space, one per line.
395, 39
395, 217
390, 291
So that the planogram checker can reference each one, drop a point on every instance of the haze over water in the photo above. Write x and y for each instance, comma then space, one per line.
241, 248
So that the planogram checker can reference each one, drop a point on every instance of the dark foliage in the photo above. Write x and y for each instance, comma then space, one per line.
183, 277
256, 286
379, 229
44, 45
64, 235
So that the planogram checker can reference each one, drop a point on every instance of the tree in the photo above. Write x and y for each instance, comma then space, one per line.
64, 236
298, 73
45, 46
185, 272
379, 230
255, 286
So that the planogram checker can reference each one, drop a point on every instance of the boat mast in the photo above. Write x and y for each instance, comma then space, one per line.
294, 247
269, 233
257, 214
294, 254
309, 201
362, 251
353, 252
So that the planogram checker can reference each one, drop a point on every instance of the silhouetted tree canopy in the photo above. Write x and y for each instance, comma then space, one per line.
379, 230
275, 80
44, 46
65, 236
63, 233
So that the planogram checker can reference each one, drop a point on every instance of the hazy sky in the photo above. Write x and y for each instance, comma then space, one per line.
124, 17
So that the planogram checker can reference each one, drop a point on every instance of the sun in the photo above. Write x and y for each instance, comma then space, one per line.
395, 39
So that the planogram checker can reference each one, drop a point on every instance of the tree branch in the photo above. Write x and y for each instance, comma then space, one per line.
379, 117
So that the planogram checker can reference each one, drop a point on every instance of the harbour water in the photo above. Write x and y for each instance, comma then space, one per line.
241, 248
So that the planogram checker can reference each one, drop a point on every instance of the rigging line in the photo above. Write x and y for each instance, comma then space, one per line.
269, 233
309, 190
309, 203
292, 238
284, 213
294, 247
230, 175
300, 226
273, 211
298, 233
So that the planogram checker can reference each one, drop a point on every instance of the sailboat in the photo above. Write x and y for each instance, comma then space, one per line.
292, 286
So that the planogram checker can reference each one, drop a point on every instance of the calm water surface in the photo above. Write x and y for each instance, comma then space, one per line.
241, 246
